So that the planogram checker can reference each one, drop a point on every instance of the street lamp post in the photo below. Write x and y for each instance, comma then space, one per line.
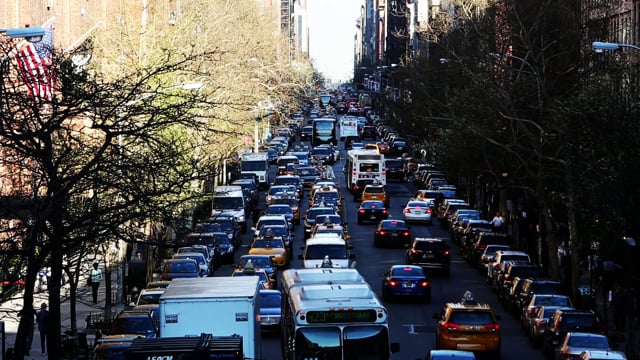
599, 46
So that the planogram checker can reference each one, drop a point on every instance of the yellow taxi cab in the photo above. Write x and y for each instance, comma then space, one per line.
468, 325
293, 204
371, 146
376, 192
329, 227
272, 246
266, 281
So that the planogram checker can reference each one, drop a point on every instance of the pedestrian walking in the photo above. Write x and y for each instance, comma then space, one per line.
95, 278
497, 222
42, 319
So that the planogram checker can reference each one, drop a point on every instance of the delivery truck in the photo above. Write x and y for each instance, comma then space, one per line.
220, 306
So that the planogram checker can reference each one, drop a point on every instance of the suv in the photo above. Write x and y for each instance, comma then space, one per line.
536, 286
376, 192
430, 253
140, 322
563, 321
468, 325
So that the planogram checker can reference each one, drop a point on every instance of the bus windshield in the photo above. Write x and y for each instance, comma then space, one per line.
366, 342
318, 343
324, 125
254, 165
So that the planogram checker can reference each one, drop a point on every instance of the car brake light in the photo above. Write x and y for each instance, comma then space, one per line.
532, 310
451, 326
492, 327
384, 211
414, 251
429, 211
361, 211
393, 283
424, 284
407, 210
356, 188
446, 252
382, 232
406, 233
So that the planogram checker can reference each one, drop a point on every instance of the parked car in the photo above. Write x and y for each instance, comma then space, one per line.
564, 321
574, 343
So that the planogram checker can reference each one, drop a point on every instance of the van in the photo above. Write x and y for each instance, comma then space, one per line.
326, 250
231, 199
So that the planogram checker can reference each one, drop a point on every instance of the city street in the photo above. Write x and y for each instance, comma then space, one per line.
411, 323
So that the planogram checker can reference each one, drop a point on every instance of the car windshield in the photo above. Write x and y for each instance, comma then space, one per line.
275, 230
471, 318
334, 219
372, 204
374, 190
257, 262
430, 246
270, 300
199, 259
149, 298
264, 244
393, 224
418, 204
228, 202
182, 267
552, 301
317, 252
308, 172
132, 325
278, 210
407, 271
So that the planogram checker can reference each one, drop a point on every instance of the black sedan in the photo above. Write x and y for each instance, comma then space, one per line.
372, 211
392, 233
406, 280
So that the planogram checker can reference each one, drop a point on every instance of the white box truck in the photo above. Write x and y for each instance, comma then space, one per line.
221, 306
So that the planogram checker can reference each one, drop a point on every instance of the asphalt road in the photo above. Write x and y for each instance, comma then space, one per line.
411, 323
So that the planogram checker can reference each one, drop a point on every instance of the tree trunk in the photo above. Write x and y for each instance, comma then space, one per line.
574, 244
26, 325
549, 234
55, 319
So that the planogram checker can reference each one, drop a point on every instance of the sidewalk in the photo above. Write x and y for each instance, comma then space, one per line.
84, 306
627, 341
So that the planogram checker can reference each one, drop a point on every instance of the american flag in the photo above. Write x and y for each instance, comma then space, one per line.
35, 63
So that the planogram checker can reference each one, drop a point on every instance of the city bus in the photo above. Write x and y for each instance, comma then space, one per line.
324, 132
365, 164
333, 314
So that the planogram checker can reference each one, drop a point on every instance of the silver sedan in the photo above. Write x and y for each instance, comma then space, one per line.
418, 211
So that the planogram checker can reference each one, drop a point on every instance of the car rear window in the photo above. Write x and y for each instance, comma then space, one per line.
577, 321
407, 271
374, 190
364, 167
552, 301
545, 288
471, 318
393, 224
430, 246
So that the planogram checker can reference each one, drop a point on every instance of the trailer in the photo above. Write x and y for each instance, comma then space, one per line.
221, 306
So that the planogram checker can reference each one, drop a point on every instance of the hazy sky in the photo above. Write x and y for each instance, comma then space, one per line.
332, 28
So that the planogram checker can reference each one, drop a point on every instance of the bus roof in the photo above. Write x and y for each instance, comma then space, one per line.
293, 277
336, 297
